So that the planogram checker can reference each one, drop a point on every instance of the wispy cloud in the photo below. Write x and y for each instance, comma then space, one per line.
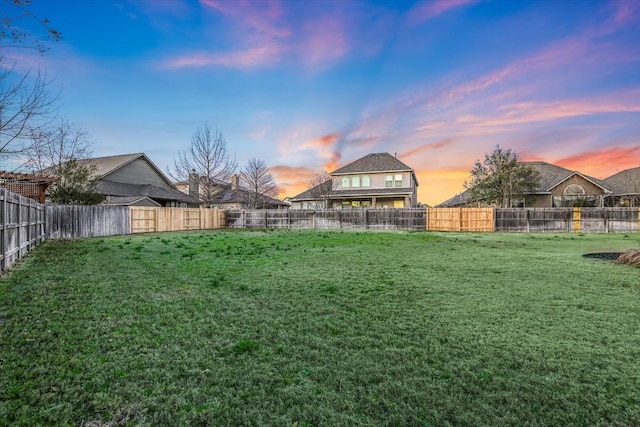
426, 10
268, 33
267, 54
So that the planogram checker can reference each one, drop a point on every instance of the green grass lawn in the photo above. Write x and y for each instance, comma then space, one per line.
313, 328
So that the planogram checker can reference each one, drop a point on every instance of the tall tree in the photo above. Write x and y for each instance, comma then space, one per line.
208, 159
500, 179
258, 182
320, 186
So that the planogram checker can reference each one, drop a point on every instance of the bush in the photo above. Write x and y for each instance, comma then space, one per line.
629, 257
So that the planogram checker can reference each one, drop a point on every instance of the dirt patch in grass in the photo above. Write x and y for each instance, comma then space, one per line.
606, 256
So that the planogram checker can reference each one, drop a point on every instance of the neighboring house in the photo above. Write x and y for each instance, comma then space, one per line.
133, 180
376, 180
230, 196
625, 188
558, 187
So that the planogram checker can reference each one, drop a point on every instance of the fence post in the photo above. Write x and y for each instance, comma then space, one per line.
577, 219
3, 265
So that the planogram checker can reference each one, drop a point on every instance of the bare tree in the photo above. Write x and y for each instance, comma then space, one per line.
26, 101
27, 106
320, 186
52, 147
208, 159
60, 150
258, 182
15, 17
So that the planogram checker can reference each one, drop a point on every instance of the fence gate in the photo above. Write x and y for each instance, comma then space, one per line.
461, 219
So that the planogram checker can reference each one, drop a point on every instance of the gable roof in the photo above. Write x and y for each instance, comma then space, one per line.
553, 175
109, 164
313, 192
375, 162
240, 195
625, 182
121, 189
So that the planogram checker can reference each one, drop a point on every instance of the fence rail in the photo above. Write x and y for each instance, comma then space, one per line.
22, 226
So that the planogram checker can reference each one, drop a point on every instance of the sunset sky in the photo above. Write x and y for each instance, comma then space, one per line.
312, 85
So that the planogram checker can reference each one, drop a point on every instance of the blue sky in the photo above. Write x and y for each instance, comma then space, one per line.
312, 85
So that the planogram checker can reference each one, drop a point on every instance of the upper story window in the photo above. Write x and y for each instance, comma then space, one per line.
355, 181
393, 180
388, 181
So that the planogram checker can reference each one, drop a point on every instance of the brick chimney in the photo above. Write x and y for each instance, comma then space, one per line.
194, 184
235, 182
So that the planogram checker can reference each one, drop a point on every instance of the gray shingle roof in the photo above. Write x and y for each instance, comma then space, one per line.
313, 192
241, 195
553, 175
111, 188
106, 165
625, 182
376, 162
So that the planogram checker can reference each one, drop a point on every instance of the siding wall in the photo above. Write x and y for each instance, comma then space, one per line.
140, 172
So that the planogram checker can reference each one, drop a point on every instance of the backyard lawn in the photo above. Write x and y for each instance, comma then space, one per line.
312, 328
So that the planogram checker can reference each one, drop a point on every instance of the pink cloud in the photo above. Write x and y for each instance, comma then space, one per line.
426, 10
603, 163
324, 41
256, 56
264, 34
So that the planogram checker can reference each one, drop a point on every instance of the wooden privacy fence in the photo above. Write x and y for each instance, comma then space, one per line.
151, 219
460, 219
327, 219
577, 220
70, 222
22, 226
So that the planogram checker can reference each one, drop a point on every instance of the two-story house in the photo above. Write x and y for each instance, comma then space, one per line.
376, 180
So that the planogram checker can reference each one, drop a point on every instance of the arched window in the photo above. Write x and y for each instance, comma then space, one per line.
573, 192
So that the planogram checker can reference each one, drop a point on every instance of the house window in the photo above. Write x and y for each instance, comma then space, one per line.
366, 181
398, 180
355, 181
388, 181
345, 182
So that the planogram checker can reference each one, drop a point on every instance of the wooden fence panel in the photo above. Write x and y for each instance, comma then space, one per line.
22, 226
159, 219
539, 220
328, 219
70, 221
461, 219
